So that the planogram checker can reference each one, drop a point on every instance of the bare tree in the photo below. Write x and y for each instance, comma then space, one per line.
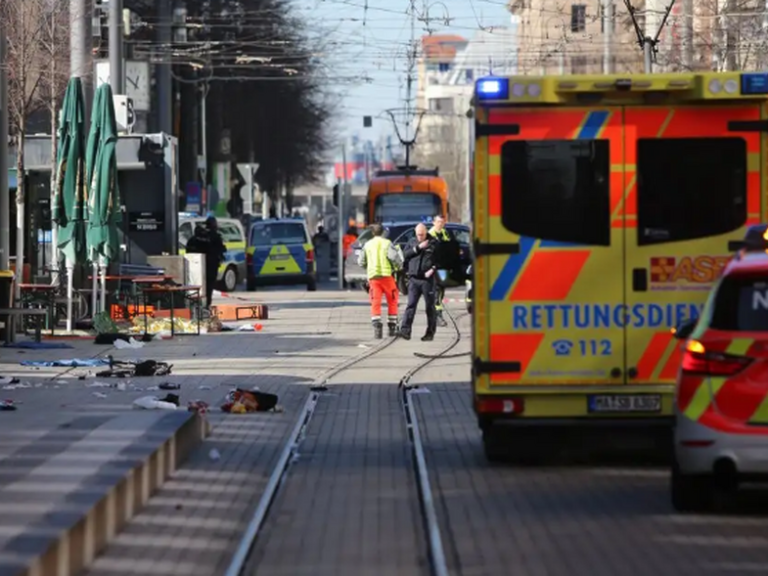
726, 35
25, 26
55, 49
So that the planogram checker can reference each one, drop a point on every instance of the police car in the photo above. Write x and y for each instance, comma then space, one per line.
280, 251
721, 396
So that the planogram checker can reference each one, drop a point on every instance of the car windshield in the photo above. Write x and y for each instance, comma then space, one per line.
270, 234
395, 231
461, 235
741, 304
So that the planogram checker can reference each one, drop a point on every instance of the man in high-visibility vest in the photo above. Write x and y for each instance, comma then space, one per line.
439, 233
380, 258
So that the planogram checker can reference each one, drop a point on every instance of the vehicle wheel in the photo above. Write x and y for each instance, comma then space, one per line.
312, 285
229, 279
690, 493
251, 284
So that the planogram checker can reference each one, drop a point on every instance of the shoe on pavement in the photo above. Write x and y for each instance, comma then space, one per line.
427, 337
404, 335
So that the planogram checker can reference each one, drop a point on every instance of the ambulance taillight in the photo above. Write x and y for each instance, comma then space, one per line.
310, 256
499, 405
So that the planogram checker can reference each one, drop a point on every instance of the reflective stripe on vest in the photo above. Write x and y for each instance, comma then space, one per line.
378, 263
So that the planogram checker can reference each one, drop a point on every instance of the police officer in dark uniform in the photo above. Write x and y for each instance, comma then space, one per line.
420, 266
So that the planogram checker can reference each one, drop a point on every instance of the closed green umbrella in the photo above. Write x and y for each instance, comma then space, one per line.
69, 194
103, 209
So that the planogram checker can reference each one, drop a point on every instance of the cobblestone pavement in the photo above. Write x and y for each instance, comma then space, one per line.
349, 505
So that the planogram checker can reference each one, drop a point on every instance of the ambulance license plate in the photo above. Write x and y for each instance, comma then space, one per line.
624, 403
280, 257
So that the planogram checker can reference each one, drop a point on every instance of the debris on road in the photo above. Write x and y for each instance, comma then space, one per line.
239, 401
70, 363
130, 344
153, 403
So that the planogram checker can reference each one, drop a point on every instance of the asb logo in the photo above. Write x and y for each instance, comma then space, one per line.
698, 270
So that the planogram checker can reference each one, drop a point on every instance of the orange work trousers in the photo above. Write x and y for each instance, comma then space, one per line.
387, 288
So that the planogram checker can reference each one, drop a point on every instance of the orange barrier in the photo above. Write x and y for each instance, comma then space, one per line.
235, 312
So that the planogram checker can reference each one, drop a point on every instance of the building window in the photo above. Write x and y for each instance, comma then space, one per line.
578, 17
612, 25
469, 74
690, 188
441, 104
578, 65
557, 190
444, 66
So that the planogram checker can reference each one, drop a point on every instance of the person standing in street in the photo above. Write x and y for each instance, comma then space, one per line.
440, 234
420, 266
213, 257
380, 258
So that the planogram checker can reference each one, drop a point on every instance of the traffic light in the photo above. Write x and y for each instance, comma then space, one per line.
336, 195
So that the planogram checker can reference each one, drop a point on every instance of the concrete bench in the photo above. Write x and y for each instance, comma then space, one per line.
12, 313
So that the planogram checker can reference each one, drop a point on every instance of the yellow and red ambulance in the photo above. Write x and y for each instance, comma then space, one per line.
602, 213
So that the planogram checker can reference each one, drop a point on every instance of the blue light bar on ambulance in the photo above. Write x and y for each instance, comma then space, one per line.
754, 83
492, 89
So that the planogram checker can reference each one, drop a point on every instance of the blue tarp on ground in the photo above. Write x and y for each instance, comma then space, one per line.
73, 363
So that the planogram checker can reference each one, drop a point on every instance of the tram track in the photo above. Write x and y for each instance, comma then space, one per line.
281, 470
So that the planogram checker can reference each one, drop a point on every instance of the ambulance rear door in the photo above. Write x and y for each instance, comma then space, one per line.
693, 182
552, 300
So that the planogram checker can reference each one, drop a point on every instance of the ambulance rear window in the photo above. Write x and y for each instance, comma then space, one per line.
741, 304
557, 190
690, 188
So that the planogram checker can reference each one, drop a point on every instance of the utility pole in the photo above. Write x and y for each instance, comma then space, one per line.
164, 80
647, 42
81, 49
411, 66
5, 194
607, 36
342, 217
116, 65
